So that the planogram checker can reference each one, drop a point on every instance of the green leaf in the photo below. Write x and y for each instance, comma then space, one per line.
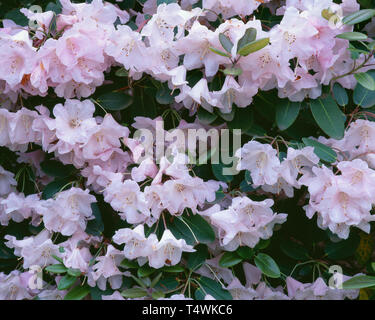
55, 168
248, 178
192, 228
168, 282
225, 42
352, 36
55, 7
254, 46
56, 268
164, 95
54, 187
173, 269
262, 244
206, 117
157, 294
245, 252
201, 228
243, 119
140, 282
66, 282
365, 80
78, 293
359, 16
115, 101
294, 250
219, 196
134, 293
5, 252
197, 258
95, 226
286, 113
245, 187
229, 116
364, 97
267, 265
129, 264
329, 117
359, 282
213, 288
340, 94
96, 293
232, 72
324, 152
217, 170
145, 271
74, 272
57, 258
249, 36
219, 52
18, 17
122, 73
371, 45
229, 259
155, 281
356, 52
342, 249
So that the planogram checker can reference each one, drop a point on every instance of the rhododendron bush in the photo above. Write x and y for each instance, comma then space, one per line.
193, 149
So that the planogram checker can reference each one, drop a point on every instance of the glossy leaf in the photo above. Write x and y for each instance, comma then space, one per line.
362, 96
206, 117
359, 282
253, 46
340, 95
198, 257
232, 72
78, 293
229, 259
352, 36
249, 36
56, 268
66, 282
213, 288
365, 80
134, 293
294, 250
219, 52
324, 152
114, 101
286, 113
359, 16
267, 265
225, 42
329, 117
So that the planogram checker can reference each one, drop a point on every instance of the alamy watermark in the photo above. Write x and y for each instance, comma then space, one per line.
336, 280
216, 145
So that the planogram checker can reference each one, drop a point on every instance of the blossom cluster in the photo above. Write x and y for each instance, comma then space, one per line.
87, 44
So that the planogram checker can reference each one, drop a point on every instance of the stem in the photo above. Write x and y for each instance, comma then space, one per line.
355, 69
99, 105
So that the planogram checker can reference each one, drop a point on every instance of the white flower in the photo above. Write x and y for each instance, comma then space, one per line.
69, 212
245, 222
36, 250
261, 160
136, 244
168, 251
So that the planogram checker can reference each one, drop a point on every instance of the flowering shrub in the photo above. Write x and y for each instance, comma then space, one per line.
193, 149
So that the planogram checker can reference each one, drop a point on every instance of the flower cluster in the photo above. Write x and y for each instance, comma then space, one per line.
86, 44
